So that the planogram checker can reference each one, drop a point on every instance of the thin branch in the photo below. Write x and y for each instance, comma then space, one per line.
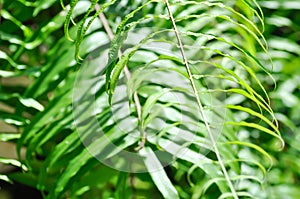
128, 76
213, 141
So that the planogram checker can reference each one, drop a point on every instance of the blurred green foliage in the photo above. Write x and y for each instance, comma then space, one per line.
283, 34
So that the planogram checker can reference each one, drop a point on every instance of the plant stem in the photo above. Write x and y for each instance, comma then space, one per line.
213, 141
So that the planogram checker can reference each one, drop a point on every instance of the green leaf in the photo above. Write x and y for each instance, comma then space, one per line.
13, 162
5, 178
29, 102
158, 174
43, 5
6, 137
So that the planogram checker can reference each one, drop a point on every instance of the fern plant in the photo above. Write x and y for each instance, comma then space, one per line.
163, 97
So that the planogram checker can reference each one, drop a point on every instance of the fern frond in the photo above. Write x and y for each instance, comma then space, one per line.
185, 62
